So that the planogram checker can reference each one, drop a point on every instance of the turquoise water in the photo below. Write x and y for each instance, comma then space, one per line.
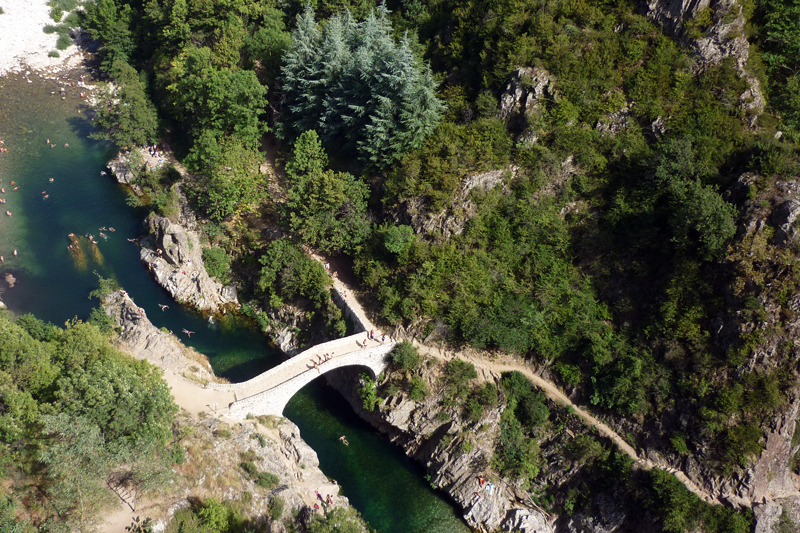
385, 486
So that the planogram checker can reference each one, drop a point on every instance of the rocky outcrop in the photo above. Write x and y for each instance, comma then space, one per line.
523, 101
452, 220
174, 257
723, 36
215, 448
126, 168
439, 443
140, 338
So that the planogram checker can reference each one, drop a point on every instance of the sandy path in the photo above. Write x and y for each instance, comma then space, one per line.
494, 369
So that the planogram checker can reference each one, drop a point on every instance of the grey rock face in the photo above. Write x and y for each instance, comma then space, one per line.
126, 171
140, 338
724, 38
439, 445
453, 219
179, 267
522, 100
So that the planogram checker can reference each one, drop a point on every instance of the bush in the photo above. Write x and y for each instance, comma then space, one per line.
63, 42
405, 357
53, 53
417, 389
250, 469
217, 262
275, 507
267, 480
457, 374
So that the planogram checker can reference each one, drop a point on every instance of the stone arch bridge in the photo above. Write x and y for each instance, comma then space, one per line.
268, 393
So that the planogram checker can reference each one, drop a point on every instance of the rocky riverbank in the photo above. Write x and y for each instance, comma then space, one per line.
215, 448
174, 256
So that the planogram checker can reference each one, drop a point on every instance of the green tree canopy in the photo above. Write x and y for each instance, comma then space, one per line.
358, 87
326, 209
125, 114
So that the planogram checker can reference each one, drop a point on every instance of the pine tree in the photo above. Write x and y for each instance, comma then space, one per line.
360, 89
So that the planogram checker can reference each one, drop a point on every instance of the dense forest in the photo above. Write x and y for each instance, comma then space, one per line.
610, 249
77, 418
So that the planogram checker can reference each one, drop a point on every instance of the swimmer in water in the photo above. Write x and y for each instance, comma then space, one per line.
103, 235
15, 253
45, 197
50, 180
3, 190
15, 188
8, 213
66, 145
111, 229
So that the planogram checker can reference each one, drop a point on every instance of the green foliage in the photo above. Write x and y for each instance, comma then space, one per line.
456, 377
105, 287
275, 507
417, 389
355, 85
337, 520
217, 262
369, 393
405, 356
125, 114
680, 510
230, 177
110, 23
326, 209
515, 455
267, 480
287, 273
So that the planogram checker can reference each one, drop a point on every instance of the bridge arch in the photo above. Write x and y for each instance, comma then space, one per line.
281, 383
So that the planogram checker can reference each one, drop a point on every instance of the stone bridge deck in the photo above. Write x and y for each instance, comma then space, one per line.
269, 392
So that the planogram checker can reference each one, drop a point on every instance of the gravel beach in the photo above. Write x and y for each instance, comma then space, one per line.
23, 43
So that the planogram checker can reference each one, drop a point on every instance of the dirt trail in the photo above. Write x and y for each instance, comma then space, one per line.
495, 368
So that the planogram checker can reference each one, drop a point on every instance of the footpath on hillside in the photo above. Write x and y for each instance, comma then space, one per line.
493, 368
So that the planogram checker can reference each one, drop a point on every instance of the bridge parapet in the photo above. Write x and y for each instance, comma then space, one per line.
273, 400
323, 348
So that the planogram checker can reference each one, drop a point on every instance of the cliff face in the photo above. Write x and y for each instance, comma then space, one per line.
440, 446
715, 29
175, 259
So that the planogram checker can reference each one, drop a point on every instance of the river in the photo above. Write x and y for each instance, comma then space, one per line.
388, 489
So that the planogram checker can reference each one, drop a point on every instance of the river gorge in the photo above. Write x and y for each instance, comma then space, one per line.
56, 184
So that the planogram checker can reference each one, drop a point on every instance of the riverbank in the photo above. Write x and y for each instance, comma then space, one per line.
216, 444
24, 44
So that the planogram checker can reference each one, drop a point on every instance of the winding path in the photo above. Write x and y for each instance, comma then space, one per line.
492, 369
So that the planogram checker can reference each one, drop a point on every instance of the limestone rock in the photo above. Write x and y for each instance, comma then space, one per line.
527, 521
179, 268
126, 170
725, 37
439, 446
523, 99
784, 216
140, 338
453, 219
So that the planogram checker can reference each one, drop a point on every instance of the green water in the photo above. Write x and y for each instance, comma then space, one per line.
385, 486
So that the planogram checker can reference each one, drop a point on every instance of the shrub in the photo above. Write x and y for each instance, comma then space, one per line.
217, 262
53, 53
250, 468
275, 507
63, 42
457, 374
417, 389
405, 356
267, 480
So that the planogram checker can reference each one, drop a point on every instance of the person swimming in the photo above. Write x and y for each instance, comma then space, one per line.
8, 213
51, 180
15, 252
